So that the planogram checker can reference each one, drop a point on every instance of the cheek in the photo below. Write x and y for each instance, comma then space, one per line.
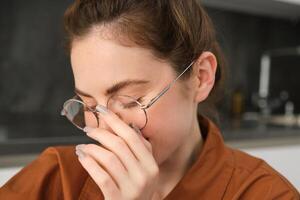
168, 125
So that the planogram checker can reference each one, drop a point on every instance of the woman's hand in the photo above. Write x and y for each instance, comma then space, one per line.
125, 168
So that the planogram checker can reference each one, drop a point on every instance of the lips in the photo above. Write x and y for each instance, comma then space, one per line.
144, 136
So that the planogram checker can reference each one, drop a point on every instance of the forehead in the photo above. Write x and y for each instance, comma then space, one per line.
95, 52
98, 63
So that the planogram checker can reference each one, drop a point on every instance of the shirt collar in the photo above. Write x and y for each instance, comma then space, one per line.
210, 174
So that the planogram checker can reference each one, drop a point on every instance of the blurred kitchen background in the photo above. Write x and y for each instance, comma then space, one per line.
260, 113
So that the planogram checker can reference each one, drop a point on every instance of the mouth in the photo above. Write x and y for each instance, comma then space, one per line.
147, 138
144, 136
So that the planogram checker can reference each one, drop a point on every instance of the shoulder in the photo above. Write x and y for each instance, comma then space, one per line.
55, 172
253, 178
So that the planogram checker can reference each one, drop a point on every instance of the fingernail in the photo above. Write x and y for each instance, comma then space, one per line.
80, 153
102, 109
79, 147
88, 129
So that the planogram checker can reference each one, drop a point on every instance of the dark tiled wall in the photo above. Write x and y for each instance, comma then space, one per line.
35, 75
244, 38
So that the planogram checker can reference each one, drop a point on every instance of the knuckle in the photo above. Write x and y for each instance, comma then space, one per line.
104, 181
119, 143
154, 171
132, 194
110, 157
132, 138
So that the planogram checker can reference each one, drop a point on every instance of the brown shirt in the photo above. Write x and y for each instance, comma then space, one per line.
219, 172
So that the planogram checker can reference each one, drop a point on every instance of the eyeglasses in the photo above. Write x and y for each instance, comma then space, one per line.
128, 108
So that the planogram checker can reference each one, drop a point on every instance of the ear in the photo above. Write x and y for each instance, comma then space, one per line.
204, 70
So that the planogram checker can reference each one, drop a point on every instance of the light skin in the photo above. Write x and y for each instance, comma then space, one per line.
147, 165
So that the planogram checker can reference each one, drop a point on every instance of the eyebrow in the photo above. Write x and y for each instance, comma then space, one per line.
116, 87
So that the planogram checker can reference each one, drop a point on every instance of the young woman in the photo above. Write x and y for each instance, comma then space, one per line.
142, 69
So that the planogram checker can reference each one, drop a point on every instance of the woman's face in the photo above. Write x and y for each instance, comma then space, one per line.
99, 63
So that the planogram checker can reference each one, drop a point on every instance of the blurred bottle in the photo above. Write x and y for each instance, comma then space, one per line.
290, 118
237, 103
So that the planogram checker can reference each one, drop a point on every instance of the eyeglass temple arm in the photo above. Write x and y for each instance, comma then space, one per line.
152, 101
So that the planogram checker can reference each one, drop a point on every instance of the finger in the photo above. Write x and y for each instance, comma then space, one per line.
146, 142
127, 133
118, 146
104, 181
108, 161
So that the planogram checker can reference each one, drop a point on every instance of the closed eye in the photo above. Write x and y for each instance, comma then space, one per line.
133, 103
141, 99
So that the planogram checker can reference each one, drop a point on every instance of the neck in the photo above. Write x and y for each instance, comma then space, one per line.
173, 169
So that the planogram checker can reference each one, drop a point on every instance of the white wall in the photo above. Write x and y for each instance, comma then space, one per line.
7, 173
285, 159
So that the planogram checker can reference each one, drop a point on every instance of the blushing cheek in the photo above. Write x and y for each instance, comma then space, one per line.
163, 129
165, 115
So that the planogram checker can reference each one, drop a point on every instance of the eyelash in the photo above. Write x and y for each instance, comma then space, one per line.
138, 99
141, 99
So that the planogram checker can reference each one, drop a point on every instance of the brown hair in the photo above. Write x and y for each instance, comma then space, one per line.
177, 31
